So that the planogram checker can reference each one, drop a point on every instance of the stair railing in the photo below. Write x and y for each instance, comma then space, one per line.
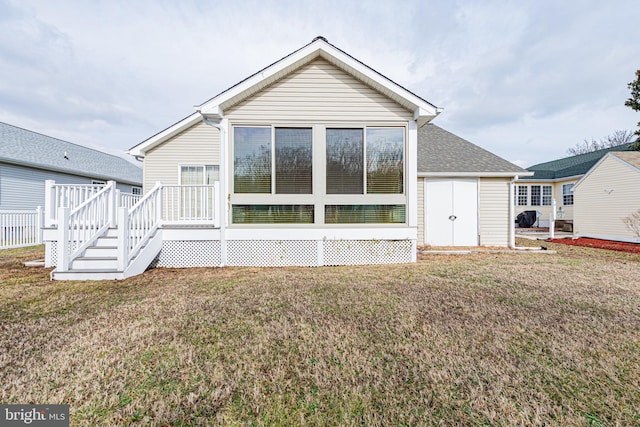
137, 224
81, 227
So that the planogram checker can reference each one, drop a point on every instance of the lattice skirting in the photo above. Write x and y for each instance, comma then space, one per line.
273, 253
188, 253
360, 252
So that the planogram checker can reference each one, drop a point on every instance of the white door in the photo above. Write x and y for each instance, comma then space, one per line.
451, 212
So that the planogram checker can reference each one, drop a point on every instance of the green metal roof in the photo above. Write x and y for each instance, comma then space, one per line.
572, 166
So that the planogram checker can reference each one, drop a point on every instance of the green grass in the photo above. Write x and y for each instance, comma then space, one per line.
491, 339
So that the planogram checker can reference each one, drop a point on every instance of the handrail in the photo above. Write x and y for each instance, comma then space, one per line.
82, 226
137, 225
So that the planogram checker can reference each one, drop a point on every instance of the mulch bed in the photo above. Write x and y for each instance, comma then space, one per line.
601, 244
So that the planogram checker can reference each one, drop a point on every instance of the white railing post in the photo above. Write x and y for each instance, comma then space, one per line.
159, 207
112, 203
49, 203
552, 219
123, 238
39, 224
63, 239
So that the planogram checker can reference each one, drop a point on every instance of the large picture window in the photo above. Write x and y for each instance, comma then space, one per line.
254, 163
346, 154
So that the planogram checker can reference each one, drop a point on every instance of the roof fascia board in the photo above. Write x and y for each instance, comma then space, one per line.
141, 149
473, 174
564, 178
620, 159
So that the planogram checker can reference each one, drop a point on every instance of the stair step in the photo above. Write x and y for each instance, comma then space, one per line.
94, 263
101, 252
88, 275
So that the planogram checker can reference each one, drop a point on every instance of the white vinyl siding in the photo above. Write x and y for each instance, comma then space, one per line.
494, 212
317, 92
606, 196
197, 145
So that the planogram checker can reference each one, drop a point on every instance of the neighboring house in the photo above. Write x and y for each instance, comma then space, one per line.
555, 180
607, 194
28, 159
315, 160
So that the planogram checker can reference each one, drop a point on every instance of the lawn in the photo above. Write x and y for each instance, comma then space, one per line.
483, 339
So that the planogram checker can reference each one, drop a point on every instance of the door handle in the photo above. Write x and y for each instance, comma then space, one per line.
452, 217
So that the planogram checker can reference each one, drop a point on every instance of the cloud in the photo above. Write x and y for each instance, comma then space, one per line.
509, 74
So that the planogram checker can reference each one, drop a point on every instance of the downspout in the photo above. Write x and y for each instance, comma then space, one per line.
512, 227
222, 198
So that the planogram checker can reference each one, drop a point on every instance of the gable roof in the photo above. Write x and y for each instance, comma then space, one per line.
215, 107
628, 158
574, 165
26, 148
441, 153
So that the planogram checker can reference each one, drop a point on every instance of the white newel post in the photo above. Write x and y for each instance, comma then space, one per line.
123, 238
112, 203
63, 239
552, 219
159, 208
49, 201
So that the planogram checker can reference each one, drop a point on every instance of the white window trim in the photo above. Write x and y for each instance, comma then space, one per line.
319, 197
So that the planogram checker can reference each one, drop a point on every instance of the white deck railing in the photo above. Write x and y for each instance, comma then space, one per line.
190, 204
128, 200
80, 227
73, 195
137, 225
19, 228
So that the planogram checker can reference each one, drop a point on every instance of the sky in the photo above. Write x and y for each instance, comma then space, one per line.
523, 79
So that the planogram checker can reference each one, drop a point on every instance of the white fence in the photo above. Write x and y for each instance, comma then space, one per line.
20, 228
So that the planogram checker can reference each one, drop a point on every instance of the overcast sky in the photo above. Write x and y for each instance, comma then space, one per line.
523, 79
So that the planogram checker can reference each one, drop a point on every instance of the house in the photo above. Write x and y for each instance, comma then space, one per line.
607, 194
555, 180
314, 160
29, 159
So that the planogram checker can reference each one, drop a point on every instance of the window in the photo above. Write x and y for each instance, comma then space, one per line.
361, 180
364, 214
567, 194
536, 195
98, 182
346, 161
272, 214
521, 195
196, 198
136, 191
384, 160
293, 160
253, 162
547, 195
199, 175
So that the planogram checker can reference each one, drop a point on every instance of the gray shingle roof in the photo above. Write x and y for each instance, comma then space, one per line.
24, 147
572, 166
440, 151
